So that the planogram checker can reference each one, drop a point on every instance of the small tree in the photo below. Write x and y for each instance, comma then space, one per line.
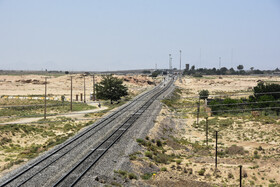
146, 72
267, 92
155, 73
223, 70
232, 71
240, 67
110, 88
203, 94
270, 89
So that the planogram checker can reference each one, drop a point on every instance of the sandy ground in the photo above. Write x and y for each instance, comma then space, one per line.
77, 114
14, 85
261, 135
223, 84
27, 85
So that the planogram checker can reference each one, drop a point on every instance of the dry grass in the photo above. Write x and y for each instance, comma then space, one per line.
243, 140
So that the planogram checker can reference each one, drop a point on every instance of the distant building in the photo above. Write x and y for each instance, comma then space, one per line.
187, 67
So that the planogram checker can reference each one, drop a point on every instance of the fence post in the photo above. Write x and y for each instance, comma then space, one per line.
84, 88
240, 177
216, 155
206, 128
198, 110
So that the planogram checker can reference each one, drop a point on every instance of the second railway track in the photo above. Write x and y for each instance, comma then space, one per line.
71, 175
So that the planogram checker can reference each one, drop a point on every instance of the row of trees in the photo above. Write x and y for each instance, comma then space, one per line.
225, 71
265, 96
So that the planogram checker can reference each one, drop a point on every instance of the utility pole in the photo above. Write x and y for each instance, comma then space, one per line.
180, 62
231, 57
220, 59
45, 110
84, 88
71, 94
170, 63
200, 56
93, 92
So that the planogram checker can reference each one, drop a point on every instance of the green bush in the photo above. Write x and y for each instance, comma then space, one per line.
202, 171
197, 75
159, 144
149, 154
163, 158
163, 169
146, 176
203, 94
256, 155
232, 150
178, 162
132, 176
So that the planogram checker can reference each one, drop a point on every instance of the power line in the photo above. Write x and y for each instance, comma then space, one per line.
164, 115
186, 106
221, 95
235, 110
230, 104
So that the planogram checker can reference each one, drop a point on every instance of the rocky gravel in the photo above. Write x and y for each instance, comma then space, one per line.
117, 158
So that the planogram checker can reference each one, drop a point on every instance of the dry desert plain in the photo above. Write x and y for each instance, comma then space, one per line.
176, 144
23, 132
174, 151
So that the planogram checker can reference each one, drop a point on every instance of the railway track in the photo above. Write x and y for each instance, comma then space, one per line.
74, 174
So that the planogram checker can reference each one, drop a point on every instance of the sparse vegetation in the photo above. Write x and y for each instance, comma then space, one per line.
146, 176
202, 171
242, 138
28, 148
31, 108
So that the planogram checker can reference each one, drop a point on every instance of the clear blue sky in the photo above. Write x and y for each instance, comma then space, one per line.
92, 35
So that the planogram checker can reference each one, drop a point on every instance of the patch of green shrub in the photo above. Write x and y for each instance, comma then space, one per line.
146, 176
202, 171
132, 176
163, 169
149, 154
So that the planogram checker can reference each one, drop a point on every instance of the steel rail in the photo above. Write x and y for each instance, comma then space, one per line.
43, 168
110, 118
128, 123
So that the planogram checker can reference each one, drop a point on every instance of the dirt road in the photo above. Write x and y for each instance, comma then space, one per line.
76, 114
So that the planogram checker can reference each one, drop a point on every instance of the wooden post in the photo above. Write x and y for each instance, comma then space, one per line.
198, 110
71, 95
77, 97
206, 129
45, 110
216, 155
240, 177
